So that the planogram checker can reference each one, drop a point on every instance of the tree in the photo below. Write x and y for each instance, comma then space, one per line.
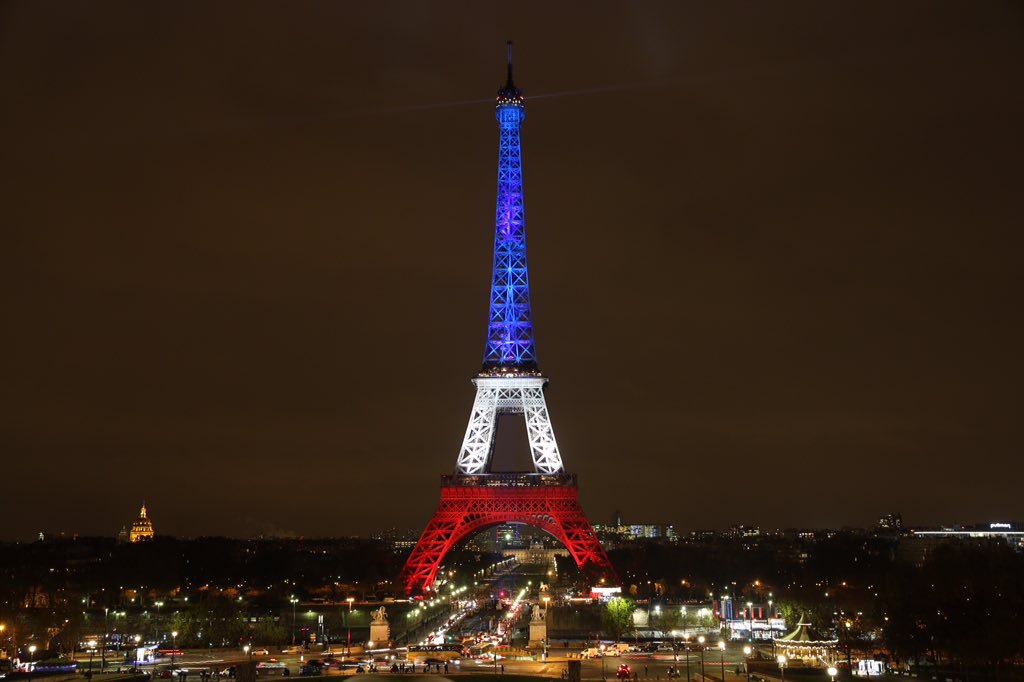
617, 616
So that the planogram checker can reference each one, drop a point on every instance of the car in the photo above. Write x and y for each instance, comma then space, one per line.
259, 651
664, 649
624, 672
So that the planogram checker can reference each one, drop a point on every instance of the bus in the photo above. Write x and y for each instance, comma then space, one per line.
434, 653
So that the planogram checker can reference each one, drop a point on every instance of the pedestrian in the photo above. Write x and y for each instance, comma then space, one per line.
645, 672
446, 667
502, 668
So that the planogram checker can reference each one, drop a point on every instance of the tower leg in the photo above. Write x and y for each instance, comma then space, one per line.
546, 458
478, 443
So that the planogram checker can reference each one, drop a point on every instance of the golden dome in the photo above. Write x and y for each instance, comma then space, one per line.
142, 528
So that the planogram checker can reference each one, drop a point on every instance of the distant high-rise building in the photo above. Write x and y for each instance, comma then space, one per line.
142, 527
891, 522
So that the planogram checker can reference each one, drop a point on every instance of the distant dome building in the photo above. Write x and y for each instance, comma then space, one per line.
142, 528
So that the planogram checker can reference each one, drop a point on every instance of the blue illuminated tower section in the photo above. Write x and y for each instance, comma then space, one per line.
510, 346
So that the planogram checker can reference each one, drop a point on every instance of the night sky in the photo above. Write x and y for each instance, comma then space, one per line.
775, 255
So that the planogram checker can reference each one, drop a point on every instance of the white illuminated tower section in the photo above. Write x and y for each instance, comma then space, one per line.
509, 381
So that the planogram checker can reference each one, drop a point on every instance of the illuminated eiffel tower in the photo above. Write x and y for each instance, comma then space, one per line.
510, 382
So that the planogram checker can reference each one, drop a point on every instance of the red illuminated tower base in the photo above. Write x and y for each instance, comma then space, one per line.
470, 504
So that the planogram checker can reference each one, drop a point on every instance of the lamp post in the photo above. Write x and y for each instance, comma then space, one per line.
771, 626
32, 653
92, 649
348, 625
293, 601
721, 651
174, 646
103, 649
544, 651
782, 666
138, 638
750, 616
700, 640
832, 672
245, 650
686, 652
604, 676
675, 647
747, 650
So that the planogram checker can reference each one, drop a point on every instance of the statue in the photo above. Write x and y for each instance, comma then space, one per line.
538, 616
380, 617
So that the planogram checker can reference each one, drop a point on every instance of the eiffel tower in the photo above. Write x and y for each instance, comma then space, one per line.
475, 498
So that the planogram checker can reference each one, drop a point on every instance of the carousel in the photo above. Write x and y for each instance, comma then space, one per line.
804, 647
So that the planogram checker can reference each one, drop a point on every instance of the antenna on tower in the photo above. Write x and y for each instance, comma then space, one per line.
509, 44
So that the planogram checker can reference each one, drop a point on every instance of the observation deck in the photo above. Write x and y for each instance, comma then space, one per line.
509, 480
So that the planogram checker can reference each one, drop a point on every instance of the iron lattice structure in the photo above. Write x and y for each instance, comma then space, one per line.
510, 382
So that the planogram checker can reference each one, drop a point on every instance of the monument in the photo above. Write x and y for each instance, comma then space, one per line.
380, 630
538, 626
476, 497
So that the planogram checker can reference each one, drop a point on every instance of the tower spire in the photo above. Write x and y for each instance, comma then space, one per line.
509, 83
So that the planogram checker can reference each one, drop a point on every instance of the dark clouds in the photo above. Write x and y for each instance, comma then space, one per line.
775, 255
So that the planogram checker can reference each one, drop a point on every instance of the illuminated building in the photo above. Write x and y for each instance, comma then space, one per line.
142, 527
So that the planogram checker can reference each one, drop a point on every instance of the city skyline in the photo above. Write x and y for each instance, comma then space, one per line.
773, 263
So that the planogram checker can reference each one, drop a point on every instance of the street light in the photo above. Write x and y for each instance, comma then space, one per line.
747, 650
544, 651
174, 646
750, 615
782, 665
721, 649
245, 650
32, 653
137, 638
832, 672
700, 640
686, 651
92, 649
348, 644
294, 601
604, 676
